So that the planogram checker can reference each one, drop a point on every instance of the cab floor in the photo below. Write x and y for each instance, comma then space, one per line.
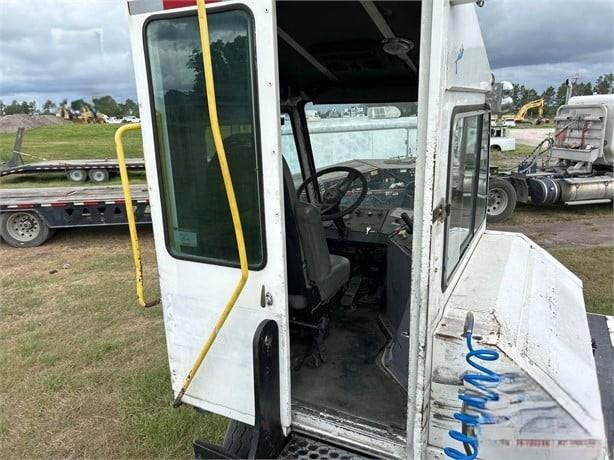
350, 380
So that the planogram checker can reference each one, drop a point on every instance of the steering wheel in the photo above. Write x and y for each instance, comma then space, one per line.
332, 196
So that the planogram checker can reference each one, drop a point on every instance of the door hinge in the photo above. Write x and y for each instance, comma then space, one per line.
441, 212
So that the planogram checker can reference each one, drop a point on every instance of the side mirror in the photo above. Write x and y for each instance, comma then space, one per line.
502, 97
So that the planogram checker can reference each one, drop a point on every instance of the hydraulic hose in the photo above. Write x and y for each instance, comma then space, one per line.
474, 411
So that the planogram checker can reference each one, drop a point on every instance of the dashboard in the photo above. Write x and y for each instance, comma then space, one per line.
372, 225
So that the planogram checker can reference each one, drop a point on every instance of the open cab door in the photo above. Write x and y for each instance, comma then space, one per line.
494, 299
247, 366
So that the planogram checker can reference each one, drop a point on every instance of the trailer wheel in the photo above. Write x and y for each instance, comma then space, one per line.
501, 200
98, 175
77, 175
238, 438
24, 229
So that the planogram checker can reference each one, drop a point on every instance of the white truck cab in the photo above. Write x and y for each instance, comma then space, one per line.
369, 279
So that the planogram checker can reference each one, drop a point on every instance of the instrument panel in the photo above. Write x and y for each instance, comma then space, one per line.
373, 225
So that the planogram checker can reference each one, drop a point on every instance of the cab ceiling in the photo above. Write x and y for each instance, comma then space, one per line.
333, 51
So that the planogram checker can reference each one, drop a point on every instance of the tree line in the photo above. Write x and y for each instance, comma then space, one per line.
104, 104
555, 97
521, 94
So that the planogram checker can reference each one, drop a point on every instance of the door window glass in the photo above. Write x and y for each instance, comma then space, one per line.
467, 178
197, 219
481, 199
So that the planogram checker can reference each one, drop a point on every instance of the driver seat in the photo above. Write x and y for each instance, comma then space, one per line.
314, 275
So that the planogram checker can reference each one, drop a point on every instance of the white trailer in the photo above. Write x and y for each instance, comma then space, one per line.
347, 333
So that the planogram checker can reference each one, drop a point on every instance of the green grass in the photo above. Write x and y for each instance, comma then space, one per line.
595, 267
74, 141
84, 371
506, 161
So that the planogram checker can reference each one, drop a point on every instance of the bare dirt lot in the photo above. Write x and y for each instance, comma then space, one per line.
530, 136
10, 123
598, 231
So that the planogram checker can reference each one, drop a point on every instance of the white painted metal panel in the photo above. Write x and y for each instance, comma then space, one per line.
446, 81
193, 294
530, 308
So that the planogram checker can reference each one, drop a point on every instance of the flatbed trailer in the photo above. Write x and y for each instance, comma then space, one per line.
75, 170
29, 216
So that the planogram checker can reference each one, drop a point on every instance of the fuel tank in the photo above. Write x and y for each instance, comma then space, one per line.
548, 190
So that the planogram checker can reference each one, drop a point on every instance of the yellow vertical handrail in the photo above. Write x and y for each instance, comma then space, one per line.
134, 239
230, 194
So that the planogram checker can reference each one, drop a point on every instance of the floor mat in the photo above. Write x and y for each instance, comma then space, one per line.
349, 380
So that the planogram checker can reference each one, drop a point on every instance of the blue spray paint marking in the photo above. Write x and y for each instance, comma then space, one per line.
459, 56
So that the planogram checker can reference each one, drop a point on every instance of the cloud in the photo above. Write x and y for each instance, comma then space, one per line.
71, 49
64, 49
538, 43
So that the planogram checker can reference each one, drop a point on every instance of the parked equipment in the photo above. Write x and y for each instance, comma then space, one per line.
575, 166
500, 141
29, 216
521, 115
76, 170
88, 115
322, 308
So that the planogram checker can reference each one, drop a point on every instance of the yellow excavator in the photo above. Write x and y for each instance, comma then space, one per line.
520, 116
88, 115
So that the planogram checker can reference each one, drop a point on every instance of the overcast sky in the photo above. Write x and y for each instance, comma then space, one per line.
69, 49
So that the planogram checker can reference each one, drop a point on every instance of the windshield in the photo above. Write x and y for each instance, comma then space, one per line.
379, 140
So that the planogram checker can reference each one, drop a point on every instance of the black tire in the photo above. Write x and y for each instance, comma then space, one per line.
98, 175
495, 148
238, 438
502, 200
24, 229
77, 175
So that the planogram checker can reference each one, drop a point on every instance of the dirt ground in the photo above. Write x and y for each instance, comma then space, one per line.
530, 136
597, 231
10, 123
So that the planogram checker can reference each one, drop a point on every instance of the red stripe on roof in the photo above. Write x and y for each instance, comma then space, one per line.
171, 4
90, 203
24, 206
58, 205
119, 201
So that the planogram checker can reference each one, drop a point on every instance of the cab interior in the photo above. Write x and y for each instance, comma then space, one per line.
349, 227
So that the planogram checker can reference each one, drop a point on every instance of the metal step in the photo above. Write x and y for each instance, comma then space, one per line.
305, 448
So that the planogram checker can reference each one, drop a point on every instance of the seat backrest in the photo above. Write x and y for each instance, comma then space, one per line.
306, 248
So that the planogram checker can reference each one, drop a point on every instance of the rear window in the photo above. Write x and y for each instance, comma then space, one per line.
197, 218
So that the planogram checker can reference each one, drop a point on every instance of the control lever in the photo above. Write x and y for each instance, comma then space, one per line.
407, 225
408, 222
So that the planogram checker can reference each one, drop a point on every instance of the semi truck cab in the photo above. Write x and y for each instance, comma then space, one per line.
366, 279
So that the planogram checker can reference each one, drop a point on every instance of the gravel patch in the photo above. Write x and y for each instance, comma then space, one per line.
10, 123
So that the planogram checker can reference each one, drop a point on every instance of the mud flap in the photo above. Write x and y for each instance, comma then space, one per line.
267, 437
602, 335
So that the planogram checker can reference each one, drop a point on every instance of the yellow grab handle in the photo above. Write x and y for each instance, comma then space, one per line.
230, 194
134, 239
